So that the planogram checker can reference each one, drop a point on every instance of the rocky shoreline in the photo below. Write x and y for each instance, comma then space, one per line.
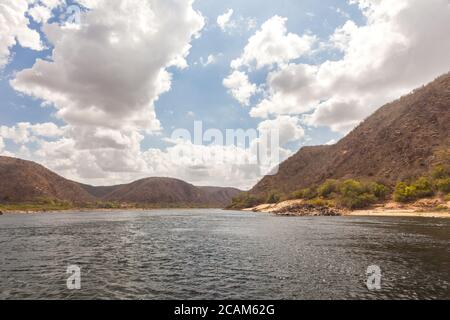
302, 210
299, 208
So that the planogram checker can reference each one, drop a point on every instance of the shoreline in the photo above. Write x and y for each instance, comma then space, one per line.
399, 213
87, 210
265, 208
290, 208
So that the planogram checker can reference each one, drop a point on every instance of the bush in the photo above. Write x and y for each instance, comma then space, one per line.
327, 188
440, 172
380, 191
351, 188
447, 197
306, 194
422, 188
244, 201
321, 202
356, 195
273, 198
357, 201
443, 185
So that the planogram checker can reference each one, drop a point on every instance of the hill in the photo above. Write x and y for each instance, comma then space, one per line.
167, 191
24, 181
397, 142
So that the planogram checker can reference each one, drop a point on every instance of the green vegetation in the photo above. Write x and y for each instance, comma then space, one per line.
244, 200
273, 198
419, 189
328, 188
436, 183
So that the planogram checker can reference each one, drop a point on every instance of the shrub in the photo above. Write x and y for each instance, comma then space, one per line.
423, 188
379, 190
321, 202
447, 197
244, 201
357, 201
443, 185
327, 188
440, 172
420, 189
307, 193
273, 198
351, 188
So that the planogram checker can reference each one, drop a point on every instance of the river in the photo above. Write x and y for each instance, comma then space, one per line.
215, 254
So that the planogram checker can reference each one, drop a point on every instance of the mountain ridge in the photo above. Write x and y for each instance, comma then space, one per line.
27, 181
397, 142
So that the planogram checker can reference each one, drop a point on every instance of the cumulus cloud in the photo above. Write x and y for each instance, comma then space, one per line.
41, 11
381, 60
14, 28
232, 24
272, 44
289, 128
111, 70
104, 77
240, 87
24, 132
223, 21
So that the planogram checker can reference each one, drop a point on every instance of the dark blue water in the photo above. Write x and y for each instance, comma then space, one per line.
213, 254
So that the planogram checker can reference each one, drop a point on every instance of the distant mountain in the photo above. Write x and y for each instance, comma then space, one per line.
168, 191
397, 142
22, 181
26, 181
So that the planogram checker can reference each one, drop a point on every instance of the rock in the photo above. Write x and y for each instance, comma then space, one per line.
1, 213
308, 210
428, 203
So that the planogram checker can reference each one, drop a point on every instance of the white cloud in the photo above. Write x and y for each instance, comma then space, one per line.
289, 128
2, 145
224, 20
41, 11
24, 132
104, 77
403, 45
232, 24
14, 29
211, 59
240, 87
273, 45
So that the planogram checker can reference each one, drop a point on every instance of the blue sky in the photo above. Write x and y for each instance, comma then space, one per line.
197, 89
332, 63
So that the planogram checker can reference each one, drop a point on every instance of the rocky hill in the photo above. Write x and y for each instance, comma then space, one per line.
167, 191
397, 142
25, 181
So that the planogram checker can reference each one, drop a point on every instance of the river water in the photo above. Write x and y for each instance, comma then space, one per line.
215, 254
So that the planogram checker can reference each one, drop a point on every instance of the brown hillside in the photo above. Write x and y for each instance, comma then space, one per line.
25, 181
22, 181
397, 142
171, 191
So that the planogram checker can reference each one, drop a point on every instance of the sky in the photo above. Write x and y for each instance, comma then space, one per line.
110, 91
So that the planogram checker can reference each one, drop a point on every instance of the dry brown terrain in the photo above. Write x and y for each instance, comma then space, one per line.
27, 182
397, 142
418, 209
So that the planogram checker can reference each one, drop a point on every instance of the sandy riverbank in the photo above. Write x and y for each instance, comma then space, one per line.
399, 213
387, 210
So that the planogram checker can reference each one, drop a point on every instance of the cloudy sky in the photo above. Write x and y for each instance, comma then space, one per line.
95, 89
